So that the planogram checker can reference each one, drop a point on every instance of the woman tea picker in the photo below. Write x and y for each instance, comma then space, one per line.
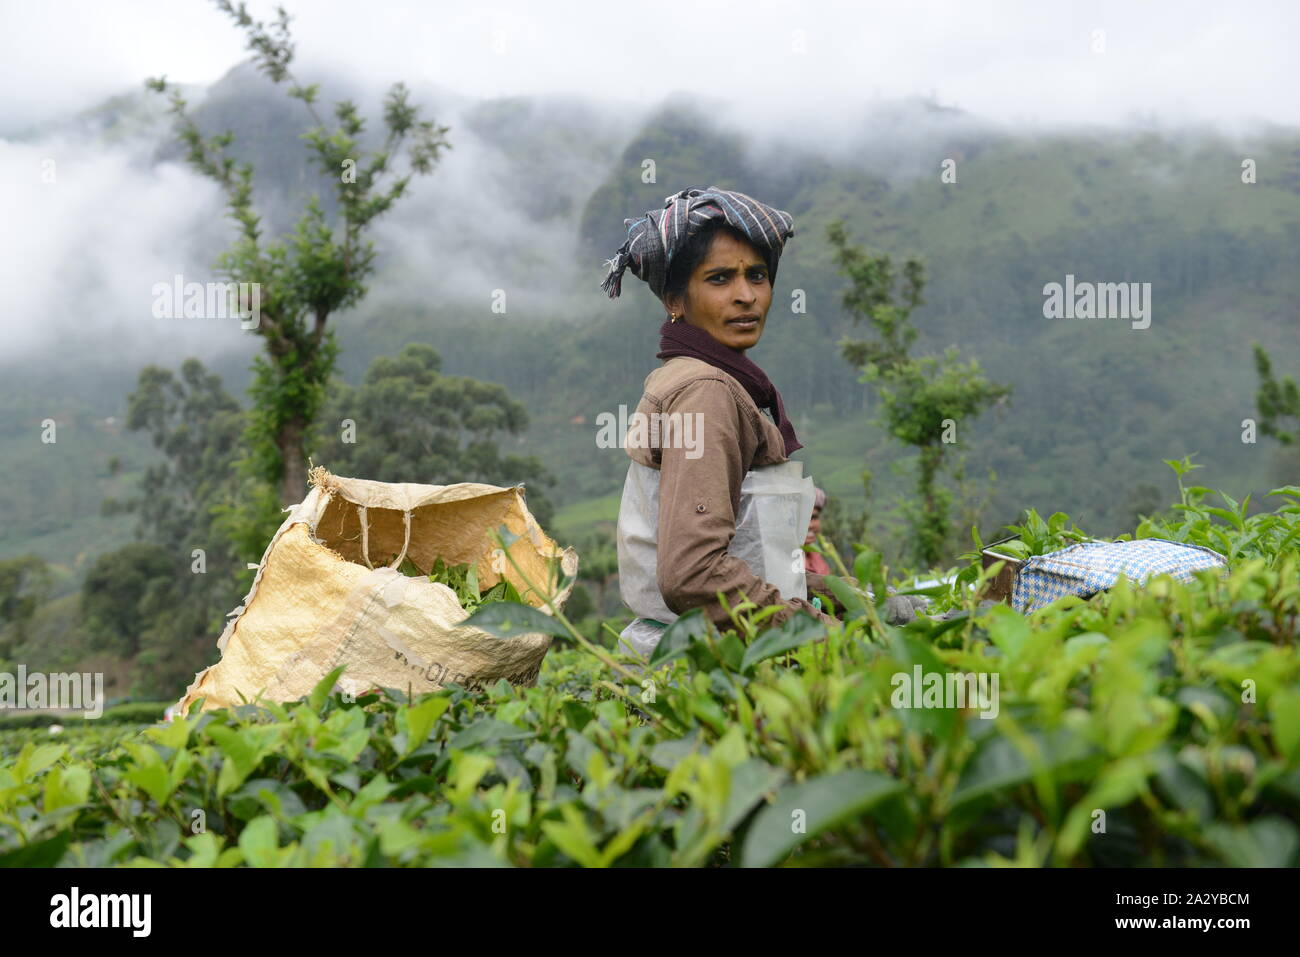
712, 503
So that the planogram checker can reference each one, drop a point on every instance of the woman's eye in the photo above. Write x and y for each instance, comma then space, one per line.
757, 276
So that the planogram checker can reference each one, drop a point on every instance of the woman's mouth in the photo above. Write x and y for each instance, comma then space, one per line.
744, 324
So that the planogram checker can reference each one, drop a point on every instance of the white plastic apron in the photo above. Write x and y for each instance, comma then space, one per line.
776, 504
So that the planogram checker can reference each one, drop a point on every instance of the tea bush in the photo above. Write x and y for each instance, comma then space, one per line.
133, 712
1153, 726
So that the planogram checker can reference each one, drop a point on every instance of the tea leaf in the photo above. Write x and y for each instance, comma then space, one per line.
798, 629
506, 619
806, 809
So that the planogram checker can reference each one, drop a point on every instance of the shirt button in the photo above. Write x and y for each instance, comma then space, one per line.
699, 508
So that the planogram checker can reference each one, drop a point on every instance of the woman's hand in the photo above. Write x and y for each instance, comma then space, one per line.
898, 610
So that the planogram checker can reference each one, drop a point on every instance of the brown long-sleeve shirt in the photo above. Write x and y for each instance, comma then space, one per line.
710, 433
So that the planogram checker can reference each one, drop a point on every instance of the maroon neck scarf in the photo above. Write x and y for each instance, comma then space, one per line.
682, 339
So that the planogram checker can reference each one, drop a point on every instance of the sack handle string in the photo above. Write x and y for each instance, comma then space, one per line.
406, 542
365, 537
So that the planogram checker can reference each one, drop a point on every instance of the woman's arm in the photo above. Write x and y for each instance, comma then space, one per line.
697, 501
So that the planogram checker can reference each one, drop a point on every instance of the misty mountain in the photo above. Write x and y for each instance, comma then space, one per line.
531, 199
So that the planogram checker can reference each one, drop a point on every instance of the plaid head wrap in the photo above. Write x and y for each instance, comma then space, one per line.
653, 238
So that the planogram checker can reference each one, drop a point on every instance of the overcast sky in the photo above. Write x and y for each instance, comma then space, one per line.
92, 246
1020, 61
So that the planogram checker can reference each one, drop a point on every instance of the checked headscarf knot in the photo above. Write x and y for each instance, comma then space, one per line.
653, 238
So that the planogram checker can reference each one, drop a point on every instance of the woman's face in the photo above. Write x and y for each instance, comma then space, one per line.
814, 527
729, 284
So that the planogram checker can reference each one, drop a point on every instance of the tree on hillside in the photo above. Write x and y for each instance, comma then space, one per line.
120, 596
408, 422
599, 564
165, 597
306, 277
923, 399
25, 584
197, 426
1276, 400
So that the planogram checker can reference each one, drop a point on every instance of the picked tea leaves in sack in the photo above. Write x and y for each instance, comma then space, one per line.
342, 582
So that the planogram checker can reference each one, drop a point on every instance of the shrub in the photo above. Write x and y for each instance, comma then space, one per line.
1154, 726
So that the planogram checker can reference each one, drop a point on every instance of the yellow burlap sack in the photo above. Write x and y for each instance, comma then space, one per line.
328, 593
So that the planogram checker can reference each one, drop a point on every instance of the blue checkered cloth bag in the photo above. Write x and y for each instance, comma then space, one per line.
1090, 567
